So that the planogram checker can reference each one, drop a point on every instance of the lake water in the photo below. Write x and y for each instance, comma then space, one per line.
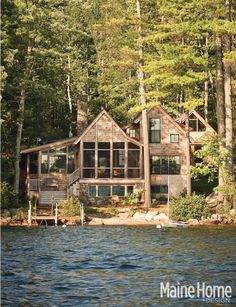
113, 266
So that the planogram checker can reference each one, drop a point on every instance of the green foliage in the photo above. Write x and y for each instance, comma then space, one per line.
132, 199
184, 208
212, 155
21, 214
8, 196
69, 207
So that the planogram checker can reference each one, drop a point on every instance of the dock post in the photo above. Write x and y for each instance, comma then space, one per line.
29, 213
56, 214
82, 214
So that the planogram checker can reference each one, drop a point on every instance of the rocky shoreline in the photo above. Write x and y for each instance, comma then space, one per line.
153, 216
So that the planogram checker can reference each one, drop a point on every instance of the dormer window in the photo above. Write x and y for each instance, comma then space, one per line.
195, 124
132, 133
155, 130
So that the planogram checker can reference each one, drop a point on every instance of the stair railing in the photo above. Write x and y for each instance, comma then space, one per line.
71, 178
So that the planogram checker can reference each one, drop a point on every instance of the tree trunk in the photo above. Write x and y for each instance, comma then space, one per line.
220, 99
147, 181
18, 139
206, 99
188, 160
228, 96
68, 93
206, 85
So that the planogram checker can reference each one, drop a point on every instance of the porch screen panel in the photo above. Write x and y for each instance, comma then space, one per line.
133, 161
89, 160
104, 160
118, 160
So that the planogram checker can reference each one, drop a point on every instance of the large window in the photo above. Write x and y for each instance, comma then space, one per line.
165, 165
155, 130
56, 160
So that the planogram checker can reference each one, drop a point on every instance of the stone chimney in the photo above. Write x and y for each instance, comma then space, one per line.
82, 114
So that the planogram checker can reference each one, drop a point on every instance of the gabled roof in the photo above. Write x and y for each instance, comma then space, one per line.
68, 141
181, 119
104, 112
139, 117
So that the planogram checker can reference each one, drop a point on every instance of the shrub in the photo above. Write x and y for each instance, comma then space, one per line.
70, 207
8, 196
184, 208
21, 214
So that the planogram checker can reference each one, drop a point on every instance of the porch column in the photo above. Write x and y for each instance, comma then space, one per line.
28, 175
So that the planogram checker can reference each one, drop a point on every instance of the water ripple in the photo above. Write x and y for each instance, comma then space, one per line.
112, 266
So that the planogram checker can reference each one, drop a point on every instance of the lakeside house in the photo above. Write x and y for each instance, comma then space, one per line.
107, 160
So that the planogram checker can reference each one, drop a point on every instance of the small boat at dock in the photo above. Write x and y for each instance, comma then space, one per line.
171, 224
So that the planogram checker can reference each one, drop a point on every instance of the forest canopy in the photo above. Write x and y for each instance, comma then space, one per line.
54, 52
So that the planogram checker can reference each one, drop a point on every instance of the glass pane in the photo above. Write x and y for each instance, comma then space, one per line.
57, 164
201, 127
104, 158
193, 124
44, 164
132, 133
118, 190
155, 136
92, 191
155, 165
130, 189
118, 145
89, 158
118, 158
133, 173
89, 145
118, 173
174, 138
88, 173
104, 172
164, 189
164, 165
155, 189
155, 124
104, 191
104, 145
174, 165
133, 158
132, 146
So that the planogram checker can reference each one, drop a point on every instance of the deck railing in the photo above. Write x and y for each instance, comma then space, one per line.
73, 177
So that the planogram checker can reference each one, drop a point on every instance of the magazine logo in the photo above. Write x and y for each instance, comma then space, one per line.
208, 293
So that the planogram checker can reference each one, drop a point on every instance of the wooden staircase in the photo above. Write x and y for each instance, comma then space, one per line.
49, 197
